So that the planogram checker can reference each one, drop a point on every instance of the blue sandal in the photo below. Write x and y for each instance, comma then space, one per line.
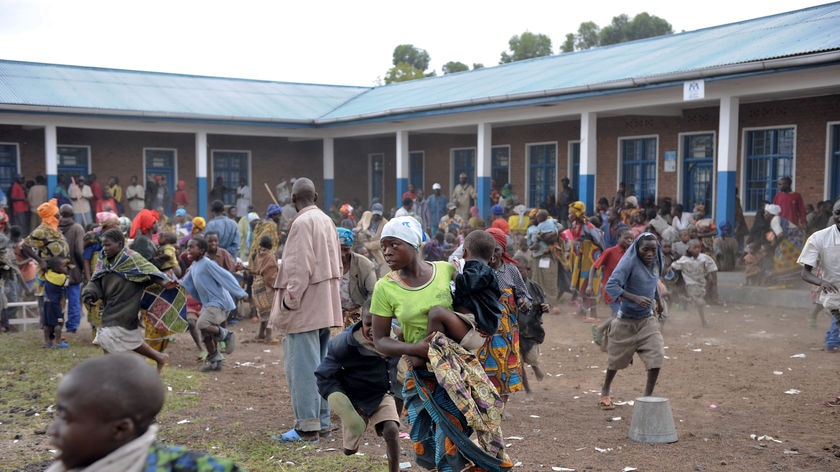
292, 435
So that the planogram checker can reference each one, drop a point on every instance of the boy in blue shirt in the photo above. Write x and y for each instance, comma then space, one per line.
217, 290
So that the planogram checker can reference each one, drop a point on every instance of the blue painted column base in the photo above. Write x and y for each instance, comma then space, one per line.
201, 188
482, 190
725, 206
586, 192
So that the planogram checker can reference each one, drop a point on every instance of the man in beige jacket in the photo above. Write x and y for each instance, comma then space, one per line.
307, 303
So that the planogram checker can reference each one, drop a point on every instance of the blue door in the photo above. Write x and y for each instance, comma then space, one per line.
231, 166
698, 171
8, 166
73, 161
161, 163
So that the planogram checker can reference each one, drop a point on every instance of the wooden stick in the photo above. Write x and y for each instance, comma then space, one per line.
273, 198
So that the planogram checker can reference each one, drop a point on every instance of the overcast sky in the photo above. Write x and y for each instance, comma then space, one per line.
331, 42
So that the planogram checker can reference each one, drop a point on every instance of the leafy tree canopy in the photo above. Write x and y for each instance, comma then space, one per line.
454, 66
411, 55
622, 29
403, 72
526, 46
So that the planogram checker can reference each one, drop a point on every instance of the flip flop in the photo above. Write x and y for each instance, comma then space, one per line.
292, 435
606, 404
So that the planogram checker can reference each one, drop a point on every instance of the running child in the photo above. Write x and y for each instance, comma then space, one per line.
697, 268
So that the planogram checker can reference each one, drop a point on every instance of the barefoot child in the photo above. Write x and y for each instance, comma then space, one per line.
55, 280
475, 298
105, 420
264, 270
531, 331
120, 277
696, 268
354, 379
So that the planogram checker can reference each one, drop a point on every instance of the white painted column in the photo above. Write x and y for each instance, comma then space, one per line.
328, 146
51, 157
201, 171
727, 161
484, 168
588, 158
403, 167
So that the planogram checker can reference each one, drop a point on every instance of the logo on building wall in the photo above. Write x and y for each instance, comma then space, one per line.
694, 90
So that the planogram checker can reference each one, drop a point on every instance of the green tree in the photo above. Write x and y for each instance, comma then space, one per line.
413, 56
403, 72
526, 46
569, 44
620, 30
454, 66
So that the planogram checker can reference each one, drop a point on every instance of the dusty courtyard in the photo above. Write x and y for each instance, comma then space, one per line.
753, 392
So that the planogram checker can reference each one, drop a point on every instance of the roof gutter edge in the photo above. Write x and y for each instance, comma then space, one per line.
143, 115
732, 69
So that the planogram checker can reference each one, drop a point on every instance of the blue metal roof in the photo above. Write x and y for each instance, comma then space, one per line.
800, 32
151, 94
160, 94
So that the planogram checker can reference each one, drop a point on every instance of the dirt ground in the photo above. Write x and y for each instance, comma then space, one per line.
749, 393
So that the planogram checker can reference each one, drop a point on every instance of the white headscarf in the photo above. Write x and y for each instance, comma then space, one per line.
406, 228
773, 209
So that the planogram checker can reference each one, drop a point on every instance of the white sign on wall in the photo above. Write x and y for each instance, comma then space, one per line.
694, 90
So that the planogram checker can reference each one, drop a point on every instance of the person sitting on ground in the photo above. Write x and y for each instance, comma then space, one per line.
475, 298
350, 379
112, 426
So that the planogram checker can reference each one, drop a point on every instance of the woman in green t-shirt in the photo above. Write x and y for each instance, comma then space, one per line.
407, 293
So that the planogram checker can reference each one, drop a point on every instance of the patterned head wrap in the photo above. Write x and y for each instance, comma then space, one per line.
406, 228
346, 209
501, 240
48, 212
578, 209
345, 236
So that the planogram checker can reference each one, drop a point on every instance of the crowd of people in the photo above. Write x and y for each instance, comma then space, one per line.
430, 301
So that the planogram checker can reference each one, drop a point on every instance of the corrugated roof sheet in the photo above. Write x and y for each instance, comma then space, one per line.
160, 94
796, 33
801, 32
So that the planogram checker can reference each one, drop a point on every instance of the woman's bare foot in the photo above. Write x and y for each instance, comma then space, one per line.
162, 360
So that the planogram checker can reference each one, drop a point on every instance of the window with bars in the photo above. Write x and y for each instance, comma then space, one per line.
415, 169
769, 156
638, 168
542, 173
698, 170
500, 165
73, 161
834, 188
8, 165
377, 177
230, 166
463, 160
